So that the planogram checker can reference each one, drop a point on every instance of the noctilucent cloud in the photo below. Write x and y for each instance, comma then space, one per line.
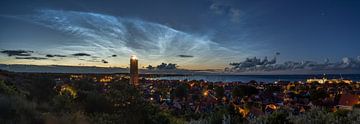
201, 34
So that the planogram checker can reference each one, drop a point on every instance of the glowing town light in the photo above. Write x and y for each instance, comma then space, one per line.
134, 71
206, 93
133, 57
68, 89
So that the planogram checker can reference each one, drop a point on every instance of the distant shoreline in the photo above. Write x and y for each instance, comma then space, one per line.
60, 69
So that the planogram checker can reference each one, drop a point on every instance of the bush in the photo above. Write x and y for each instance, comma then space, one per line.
277, 117
41, 89
6, 89
313, 116
66, 118
17, 110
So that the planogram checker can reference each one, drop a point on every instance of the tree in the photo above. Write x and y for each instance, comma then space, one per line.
318, 95
6, 89
41, 89
252, 82
96, 102
210, 86
84, 85
272, 89
181, 91
62, 103
220, 92
244, 90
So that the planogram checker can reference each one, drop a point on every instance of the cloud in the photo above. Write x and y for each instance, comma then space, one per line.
17, 52
218, 7
277, 53
185, 56
103, 35
104, 61
32, 58
235, 14
255, 64
51, 55
81, 54
163, 66
113, 55
94, 59
224, 8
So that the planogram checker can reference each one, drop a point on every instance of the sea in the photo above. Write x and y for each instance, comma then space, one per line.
259, 78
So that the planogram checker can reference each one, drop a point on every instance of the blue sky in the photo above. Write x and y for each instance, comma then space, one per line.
212, 33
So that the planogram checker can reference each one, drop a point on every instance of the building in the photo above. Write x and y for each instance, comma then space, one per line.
325, 80
347, 101
134, 71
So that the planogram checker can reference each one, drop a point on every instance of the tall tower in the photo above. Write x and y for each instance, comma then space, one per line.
134, 72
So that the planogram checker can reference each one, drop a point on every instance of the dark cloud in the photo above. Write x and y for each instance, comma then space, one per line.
17, 52
150, 67
32, 58
81, 54
163, 66
113, 55
94, 60
104, 61
50, 55
185, 56
254, 64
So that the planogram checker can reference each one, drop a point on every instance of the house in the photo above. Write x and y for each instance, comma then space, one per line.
348, 100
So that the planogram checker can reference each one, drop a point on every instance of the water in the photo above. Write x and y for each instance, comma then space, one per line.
258, 78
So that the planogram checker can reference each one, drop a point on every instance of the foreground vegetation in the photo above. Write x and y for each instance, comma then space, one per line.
40, 100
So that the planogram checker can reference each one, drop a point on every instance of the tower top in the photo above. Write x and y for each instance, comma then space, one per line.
133, 57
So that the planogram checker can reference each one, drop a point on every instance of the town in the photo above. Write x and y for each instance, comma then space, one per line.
197, 99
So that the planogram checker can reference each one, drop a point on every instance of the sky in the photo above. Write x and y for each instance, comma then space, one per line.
194, 34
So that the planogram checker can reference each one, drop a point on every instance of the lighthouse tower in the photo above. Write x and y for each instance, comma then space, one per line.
134, 71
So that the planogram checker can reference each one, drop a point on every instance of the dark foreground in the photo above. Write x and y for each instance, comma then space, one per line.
109, 99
